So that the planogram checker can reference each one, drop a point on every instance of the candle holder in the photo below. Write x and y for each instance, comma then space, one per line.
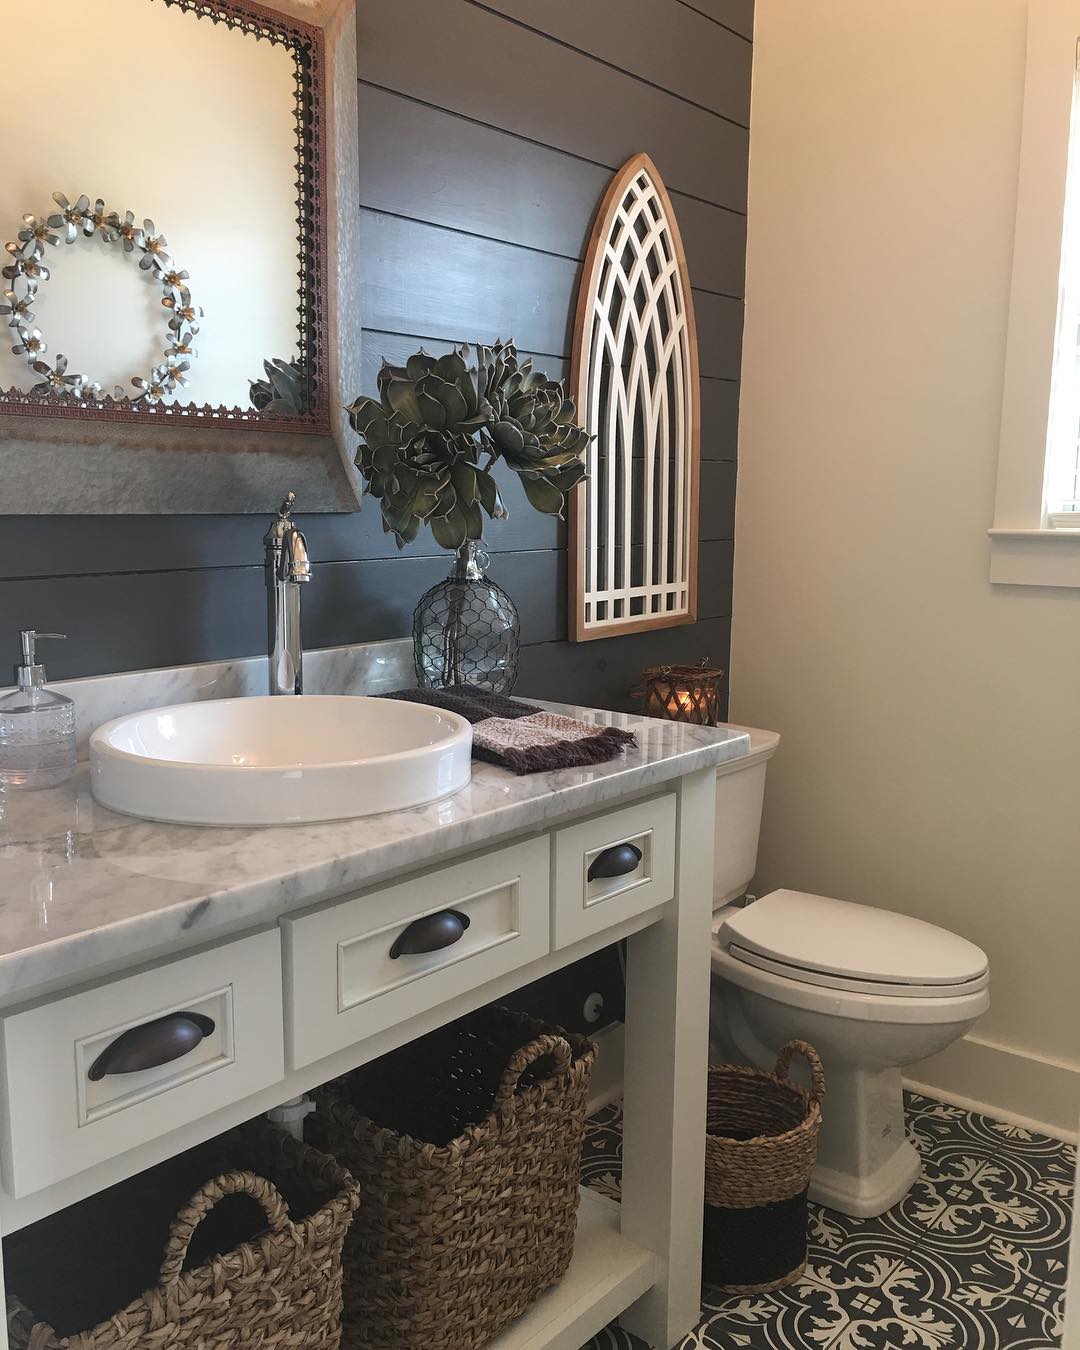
681, 693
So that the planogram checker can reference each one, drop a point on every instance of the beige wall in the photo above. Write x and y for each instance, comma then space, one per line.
931, 723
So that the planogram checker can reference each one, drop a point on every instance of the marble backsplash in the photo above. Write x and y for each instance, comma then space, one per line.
366, 668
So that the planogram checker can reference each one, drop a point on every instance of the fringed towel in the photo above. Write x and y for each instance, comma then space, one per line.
520, 736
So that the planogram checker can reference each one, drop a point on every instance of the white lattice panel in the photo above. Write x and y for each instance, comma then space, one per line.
634, 519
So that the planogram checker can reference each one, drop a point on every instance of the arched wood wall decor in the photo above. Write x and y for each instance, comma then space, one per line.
634, 521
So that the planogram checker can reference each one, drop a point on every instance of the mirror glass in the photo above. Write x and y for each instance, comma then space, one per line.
171, 187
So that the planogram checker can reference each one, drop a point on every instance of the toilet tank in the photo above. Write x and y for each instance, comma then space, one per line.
740, 794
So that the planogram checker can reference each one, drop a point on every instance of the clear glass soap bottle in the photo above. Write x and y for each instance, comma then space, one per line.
37, 726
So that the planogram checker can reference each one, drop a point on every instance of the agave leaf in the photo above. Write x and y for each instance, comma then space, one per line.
433, 412
451, 367
384, 457
445, 501
426, 499
464, 478
488, 493
544, 496
409, 533
569, 477
362, 412
556, 461
508, 437
450, 530
454, 403
387, 372
398, 512
401, 395
419, 364
474, 521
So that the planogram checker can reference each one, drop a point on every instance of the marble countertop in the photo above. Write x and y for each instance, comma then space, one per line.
84, 891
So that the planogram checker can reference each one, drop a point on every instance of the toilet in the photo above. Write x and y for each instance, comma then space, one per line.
872, 991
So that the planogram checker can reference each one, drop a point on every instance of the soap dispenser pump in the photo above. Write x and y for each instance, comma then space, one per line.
37, 725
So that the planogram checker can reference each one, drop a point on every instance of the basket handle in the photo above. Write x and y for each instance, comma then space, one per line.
182, 1229
558, 1047
817, 1073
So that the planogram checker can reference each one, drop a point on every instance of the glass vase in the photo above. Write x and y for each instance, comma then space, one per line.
466, 629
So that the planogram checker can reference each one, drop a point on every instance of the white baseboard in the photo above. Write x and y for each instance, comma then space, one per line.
605, 1086
1013, 1085
1002, 1081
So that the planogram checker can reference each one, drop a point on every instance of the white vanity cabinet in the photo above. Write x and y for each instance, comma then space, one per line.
263, 991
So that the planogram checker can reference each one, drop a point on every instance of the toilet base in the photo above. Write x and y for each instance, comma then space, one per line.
865, 1162
868, 1195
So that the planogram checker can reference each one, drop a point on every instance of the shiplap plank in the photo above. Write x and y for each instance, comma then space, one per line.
661, 41
422, 278
359, 602
716, 565
502, 74
719, 333
139, 620
444, 170
94, 545
719, 419
717, 499
600, 674
738, 15
418, 277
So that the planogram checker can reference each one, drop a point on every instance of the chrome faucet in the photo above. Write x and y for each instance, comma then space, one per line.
287, 568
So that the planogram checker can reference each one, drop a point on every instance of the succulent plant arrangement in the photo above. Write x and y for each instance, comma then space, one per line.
431, 438
285, 389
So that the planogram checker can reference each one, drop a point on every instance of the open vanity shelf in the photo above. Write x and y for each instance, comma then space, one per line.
283, 945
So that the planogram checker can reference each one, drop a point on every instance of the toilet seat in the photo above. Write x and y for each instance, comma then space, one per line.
826, 980
946, 1006
837, 945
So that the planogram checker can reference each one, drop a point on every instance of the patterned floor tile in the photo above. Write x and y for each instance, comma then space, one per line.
974, 1258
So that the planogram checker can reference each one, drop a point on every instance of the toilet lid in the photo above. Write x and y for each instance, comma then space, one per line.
832, 939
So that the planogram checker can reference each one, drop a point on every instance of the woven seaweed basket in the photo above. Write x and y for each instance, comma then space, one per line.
276, 1283
760, 1148
467, 1146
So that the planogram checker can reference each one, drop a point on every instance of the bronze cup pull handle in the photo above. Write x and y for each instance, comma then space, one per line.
152, 1044
617, 861
430, 933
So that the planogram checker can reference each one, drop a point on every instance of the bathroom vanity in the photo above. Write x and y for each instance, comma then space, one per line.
277, 943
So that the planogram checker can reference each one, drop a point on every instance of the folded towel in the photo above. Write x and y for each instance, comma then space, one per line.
520, 736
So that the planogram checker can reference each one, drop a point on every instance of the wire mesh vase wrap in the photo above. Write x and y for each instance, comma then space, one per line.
466, 630
262, 1233
760, 1148
467, 1146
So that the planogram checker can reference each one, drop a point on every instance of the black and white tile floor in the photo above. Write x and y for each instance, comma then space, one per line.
974, 1257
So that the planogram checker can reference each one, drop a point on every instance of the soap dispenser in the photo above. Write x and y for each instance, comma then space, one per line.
37, 726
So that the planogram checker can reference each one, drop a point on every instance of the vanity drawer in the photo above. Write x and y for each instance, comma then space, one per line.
607, 844
75, 1089
352, 973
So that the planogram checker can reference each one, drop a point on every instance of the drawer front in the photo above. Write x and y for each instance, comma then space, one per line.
79, 1086
352, 973
584, 905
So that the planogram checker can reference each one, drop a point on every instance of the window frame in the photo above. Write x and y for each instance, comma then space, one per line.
1024, 549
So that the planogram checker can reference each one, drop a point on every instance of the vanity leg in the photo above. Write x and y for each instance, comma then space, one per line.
664, 1078
3, 1306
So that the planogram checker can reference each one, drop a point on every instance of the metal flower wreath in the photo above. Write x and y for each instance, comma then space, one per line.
27, 270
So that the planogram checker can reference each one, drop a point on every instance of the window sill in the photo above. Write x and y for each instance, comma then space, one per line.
1035, 557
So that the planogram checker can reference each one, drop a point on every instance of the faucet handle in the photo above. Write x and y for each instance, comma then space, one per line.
285, 509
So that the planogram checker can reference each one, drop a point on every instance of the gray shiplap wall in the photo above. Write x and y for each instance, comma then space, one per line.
489, 129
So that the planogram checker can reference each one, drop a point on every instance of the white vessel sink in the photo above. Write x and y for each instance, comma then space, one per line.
278, 761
